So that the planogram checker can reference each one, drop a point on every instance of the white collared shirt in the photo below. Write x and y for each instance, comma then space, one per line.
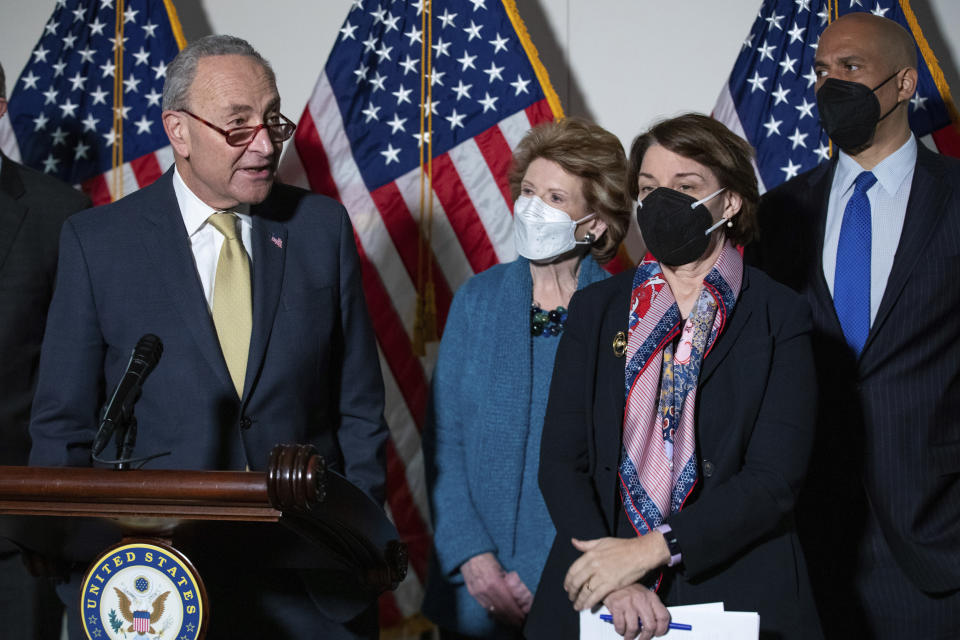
888, 208
205, 240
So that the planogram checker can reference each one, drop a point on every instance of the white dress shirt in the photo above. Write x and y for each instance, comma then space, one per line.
888, 208
205, 240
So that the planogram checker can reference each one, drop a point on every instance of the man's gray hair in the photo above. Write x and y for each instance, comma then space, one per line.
183, 69
3, 84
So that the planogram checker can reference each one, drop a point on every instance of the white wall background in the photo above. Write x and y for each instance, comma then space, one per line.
623, 63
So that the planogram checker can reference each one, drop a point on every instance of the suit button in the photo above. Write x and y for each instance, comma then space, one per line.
245, 423
708, 468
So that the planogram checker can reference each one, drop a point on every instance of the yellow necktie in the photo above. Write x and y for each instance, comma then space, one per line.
232, 304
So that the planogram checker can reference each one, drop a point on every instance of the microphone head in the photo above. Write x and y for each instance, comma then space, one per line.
148, 350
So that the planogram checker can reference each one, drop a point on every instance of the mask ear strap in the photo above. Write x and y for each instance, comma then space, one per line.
715, 226
707, 199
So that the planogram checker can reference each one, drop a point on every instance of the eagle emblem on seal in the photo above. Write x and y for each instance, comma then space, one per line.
141, 621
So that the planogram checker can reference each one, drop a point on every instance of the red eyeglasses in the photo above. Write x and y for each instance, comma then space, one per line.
279, 129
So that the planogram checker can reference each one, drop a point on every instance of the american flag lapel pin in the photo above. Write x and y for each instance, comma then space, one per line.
277, 241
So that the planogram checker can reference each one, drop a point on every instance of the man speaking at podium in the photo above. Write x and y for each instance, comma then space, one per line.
254, 289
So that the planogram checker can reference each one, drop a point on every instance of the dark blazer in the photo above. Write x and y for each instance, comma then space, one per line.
755, 412
33, 207
889, 425
313, 376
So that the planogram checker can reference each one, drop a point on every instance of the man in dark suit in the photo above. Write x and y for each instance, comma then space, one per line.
872, 239
32, 210
254, 289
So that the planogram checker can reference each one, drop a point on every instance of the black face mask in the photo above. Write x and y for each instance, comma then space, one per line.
674, 230
850, 112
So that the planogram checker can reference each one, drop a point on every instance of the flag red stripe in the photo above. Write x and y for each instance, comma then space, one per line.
405, 514
948, 141
539, 112
97, 190
389, 612
405, 233
394, 341
146, 169
498, 155
462, 215
313, 157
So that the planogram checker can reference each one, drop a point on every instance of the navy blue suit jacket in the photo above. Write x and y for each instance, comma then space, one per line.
889, 424
313, 376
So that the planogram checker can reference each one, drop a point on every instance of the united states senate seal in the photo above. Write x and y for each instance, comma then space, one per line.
143, 589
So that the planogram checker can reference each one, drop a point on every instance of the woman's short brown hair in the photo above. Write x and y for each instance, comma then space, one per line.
591, 153
709, 142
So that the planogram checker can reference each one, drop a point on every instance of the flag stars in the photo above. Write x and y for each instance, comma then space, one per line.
918, 102
383, 53
823, 152
143, 125
96, 27
433, 107
499, 44
30, 80
68, 41
421, 139
110, 138
131, 84
811, 77
142, 57
780, 95
479, 4
153, 98
747, 42
787, 64
76, 82
113, 41
391, 23
40, 123
86, 55
59, 137
370, 44
796, 33
108, 68
122, 111
440, 48
473, 31
40, 54
160, 71
130, 15
414, 35
855, 3
68, 109
772, 126
756, 82
447, 19
391, 154
791, 170
494, 72
402, 95
824, 15
51, 28
148, 30
877, 11
489, 102
50, 96
798, 139
466, 61
361, 73
377, 82
80, 151
378, 15
409, 65
346, 32
802, 5
436, 77
397, 124
78, 14
100, 96
462, 90
371, 112
58, 68
765, 50
106, 4
50, 163
455, 119
90, 123
774, 21
520, 85
805, 109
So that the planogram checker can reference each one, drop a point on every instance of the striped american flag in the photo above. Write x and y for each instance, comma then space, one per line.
411, 126
770, 99
88, 100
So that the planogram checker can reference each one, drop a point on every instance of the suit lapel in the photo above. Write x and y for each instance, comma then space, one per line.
611, 375
928, 197
168, 246
728, 338
12, 212
269, 252
818, 201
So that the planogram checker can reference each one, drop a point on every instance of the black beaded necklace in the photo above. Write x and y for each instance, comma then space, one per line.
547, 323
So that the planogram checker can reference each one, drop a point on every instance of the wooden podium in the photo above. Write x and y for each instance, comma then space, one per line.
297, 515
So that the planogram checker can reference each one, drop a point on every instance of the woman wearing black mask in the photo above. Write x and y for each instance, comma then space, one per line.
681, 414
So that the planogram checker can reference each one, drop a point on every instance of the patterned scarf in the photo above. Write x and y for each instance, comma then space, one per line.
658, 467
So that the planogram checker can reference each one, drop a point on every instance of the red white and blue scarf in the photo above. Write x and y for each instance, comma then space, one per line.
658, 467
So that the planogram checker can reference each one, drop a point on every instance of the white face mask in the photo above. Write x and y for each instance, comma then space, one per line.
541, 231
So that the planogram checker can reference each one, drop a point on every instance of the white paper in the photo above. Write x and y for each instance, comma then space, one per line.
709, 622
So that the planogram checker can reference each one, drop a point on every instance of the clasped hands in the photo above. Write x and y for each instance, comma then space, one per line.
608, 572
502, 594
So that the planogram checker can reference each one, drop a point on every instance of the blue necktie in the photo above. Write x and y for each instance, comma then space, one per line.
851, 281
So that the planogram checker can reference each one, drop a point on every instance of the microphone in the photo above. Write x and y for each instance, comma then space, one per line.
118, 411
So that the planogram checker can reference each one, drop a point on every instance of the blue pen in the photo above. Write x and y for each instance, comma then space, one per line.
673, 625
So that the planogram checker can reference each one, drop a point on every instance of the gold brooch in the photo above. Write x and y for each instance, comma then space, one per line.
619, 344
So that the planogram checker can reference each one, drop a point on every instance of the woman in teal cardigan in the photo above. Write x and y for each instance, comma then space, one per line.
492, 531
